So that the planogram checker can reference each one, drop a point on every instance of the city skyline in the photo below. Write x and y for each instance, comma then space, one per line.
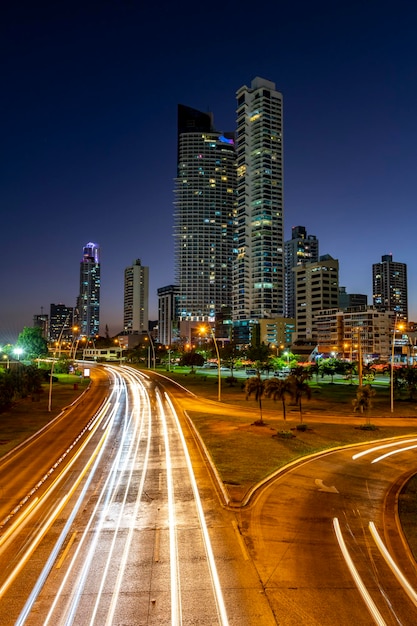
89, 138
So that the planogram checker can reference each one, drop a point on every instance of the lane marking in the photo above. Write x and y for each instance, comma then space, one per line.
241, 541
67, 549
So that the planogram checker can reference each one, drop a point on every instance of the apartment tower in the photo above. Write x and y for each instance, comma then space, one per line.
88, 302
204, 216
389, 286
316, 288
299, 250
136, 299
259, 266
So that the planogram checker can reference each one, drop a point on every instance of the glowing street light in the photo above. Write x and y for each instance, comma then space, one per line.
219, 375
18, 351
396, 327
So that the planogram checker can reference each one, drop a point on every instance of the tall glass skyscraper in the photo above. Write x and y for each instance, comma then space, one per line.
204, 217
259, 267
88, 302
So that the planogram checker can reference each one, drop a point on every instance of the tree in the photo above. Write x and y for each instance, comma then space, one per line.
192, 358
228, 355
259, 355
256, 386
278, 390
406, 378
32, 343
300, 388
363, 400
6, 389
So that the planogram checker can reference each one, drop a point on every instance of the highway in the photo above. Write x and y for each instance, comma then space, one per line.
108, 525
326, 541
112, 515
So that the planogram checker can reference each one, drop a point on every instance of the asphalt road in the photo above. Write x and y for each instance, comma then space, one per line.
326, 541
112, 517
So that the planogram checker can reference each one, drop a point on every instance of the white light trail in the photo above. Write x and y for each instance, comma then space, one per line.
385, 456
176, 613
371, 606
382, 447
221, 608
392, 565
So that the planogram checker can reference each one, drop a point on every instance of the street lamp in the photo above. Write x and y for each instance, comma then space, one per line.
151, 345
53, 362
219, 375
400, 326
18, 352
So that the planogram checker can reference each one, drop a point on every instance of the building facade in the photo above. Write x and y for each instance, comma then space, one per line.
361, 332
136, 298
61, 321
168, 314
88, 301
204, 216
258, 279
299, 250
389, 286
316, 288
350, 300
41, 320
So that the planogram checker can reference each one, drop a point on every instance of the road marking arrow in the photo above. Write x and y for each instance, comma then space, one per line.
323, 487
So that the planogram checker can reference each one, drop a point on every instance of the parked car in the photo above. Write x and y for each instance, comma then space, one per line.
251, 372
281, 374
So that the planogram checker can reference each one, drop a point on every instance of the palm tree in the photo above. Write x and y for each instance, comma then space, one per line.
300, 388
277, 389
363, 400
256, 386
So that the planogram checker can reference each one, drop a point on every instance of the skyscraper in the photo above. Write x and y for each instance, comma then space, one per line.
389, 286
204, 217
88, 302
299, 250
61, 318
136, 299
259, 267
168, 314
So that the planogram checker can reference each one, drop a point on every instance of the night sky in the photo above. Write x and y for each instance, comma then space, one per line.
88, 134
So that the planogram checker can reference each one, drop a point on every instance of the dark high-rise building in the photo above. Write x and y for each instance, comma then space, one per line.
389, 286
88, 301
61, 321
205, 204
351, 300
42, 321
168, 314
299, 250
259, 267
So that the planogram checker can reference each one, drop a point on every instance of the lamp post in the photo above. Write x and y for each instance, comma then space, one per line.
18, 352
399, 327
53, 363
151, 345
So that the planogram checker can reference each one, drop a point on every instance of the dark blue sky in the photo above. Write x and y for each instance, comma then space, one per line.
88, 141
